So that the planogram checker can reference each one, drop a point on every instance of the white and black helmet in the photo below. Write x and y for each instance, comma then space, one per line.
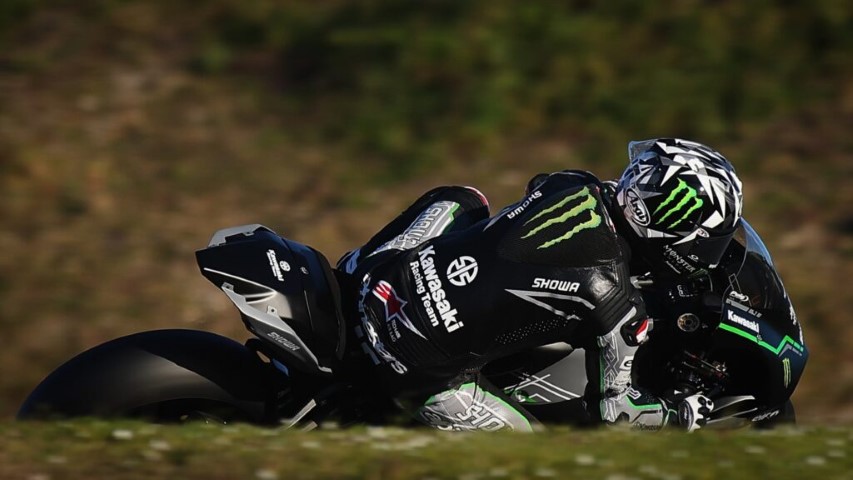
683, 201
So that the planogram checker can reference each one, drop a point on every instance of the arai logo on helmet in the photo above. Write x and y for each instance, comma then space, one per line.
638, 207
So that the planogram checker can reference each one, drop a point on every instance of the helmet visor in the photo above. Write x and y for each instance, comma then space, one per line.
698, 252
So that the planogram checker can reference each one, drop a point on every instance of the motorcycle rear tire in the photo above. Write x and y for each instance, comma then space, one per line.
161, 375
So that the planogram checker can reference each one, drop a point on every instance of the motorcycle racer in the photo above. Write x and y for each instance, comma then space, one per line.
681, 212
445, 288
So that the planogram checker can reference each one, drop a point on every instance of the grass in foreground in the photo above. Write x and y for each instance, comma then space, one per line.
99, 449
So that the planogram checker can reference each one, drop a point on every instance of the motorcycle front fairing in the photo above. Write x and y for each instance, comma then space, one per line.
758, 327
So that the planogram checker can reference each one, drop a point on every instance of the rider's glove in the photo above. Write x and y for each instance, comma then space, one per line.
694, 411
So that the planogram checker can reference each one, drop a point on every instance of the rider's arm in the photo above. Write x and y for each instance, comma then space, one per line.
610, 388
610, 391
612, 341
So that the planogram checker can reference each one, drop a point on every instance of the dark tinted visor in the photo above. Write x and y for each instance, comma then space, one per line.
706, 251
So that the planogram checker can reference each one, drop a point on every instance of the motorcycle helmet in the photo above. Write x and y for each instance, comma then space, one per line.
682, 201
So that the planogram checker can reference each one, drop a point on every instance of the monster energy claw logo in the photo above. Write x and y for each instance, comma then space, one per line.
689, 198
560, 213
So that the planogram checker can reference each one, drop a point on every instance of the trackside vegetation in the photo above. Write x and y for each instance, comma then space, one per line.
96, 449
131, 130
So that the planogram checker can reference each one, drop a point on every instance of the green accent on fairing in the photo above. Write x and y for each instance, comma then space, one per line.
588, 204
776, 350
690, 195
786, 366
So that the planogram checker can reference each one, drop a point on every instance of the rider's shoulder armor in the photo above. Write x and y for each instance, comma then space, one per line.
564, 222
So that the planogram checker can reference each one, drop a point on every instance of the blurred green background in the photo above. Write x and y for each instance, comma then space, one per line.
131, 130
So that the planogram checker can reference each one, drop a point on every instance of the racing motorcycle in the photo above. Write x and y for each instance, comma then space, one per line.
285, 375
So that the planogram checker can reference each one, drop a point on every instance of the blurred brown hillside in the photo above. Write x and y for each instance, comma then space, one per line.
130, 131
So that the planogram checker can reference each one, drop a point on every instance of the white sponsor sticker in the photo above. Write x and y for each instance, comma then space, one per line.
462, 271
274, 265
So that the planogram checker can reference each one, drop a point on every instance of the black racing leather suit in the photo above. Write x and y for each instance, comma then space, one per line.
444, 289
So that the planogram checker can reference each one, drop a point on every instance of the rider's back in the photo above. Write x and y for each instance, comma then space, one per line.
549, 268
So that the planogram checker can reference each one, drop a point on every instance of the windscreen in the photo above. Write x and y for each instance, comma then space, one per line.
752, 277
